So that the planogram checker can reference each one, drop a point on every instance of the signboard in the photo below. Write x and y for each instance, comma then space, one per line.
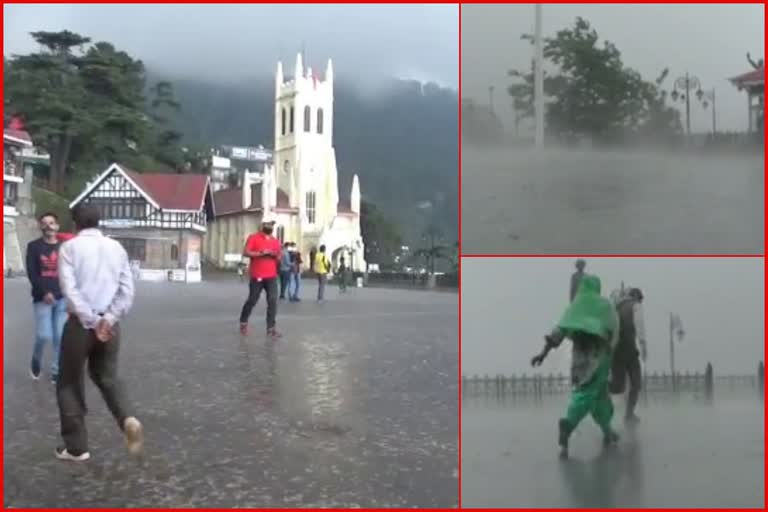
153, 275
240, 153
233, 258
178, 275
252, 154
220, 162
118, 223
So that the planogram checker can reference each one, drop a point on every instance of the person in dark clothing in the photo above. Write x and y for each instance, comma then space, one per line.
296, 262
576, 278
48, 302
285, 269
627, 356
264, 252
342, 275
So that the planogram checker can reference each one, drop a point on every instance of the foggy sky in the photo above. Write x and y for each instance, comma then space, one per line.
708, 40
366, 42
509, 304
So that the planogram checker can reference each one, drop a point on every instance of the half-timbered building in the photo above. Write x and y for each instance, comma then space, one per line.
159, 218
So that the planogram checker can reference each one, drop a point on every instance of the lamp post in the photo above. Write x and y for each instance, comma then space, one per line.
538, 80
707, 97
682, 91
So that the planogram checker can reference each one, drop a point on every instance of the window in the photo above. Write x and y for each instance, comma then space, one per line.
292, 117
174, 252
135, 247
283, 120
281, 234
10, 193
311, 207
319, 120
287, 167
307, 116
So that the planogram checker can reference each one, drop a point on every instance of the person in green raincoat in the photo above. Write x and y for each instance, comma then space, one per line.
592, 324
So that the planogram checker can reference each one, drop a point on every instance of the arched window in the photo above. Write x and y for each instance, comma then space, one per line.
174, 252
310, 207
281, 234
319, 120
307, 116
283, 121
292, 116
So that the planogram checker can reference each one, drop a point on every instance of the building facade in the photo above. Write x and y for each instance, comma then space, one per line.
159, 218
300, 185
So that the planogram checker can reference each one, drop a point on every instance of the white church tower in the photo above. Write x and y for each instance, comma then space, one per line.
304, 156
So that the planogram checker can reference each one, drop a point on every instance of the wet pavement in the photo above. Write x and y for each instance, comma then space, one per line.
355, 407
686, 452
517, 202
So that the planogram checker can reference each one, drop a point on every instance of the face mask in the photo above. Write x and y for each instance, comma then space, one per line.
267, 230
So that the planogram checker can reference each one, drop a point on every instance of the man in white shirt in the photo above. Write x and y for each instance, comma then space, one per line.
630, 350
97, 283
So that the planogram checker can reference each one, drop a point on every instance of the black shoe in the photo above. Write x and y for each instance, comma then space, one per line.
610, 438
563, 435
63, 454
34, 370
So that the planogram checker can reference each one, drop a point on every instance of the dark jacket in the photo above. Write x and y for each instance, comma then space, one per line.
43, 269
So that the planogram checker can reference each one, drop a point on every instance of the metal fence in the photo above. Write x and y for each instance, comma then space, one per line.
542, 385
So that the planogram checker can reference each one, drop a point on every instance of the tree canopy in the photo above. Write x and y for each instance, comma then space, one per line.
591, 93
85, 104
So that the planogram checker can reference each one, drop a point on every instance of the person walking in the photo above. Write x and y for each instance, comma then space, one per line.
97, 282
285, 269
296, 263
322, 268
576, 278
263, 249
630, 350
48, 303
592, 324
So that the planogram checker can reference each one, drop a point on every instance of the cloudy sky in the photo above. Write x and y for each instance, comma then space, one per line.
509, 304
235, 41
708, 40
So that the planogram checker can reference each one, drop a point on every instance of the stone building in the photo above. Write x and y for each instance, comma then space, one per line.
300, 187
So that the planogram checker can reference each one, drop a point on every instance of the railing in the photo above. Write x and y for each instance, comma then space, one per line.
541, 385
405, 280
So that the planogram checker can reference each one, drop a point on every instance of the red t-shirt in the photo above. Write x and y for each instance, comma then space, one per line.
63, 237
263, 267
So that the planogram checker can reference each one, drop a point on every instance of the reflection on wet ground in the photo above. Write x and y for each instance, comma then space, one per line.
517, 202
686, 452
356, 406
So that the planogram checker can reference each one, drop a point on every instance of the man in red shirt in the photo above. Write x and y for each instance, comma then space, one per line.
264, 252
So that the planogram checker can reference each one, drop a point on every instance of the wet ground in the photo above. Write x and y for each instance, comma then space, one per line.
517, 202
355, 407
686, 452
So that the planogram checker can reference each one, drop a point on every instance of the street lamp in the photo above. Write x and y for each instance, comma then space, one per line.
705, 97
682, 91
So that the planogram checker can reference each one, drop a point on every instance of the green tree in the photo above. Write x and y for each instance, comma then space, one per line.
86, 107
590, 90
434, 250
381, 236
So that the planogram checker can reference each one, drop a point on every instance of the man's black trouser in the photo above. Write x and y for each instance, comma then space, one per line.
254, 290
78, 347
627, 363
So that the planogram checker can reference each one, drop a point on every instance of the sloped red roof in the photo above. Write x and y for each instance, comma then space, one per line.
230, 200
172, 191
754, 77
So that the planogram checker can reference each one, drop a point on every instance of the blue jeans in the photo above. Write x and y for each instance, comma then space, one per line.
49, 324
294, 285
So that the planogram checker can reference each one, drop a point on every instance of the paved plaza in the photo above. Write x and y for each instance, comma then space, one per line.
517, 202
356, 406
686, 453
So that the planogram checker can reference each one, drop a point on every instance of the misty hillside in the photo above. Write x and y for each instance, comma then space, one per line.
402, 141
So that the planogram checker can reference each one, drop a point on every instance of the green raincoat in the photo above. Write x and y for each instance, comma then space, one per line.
591, 322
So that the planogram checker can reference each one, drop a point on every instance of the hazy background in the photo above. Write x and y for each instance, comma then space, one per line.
509, 304
227, 42
708, 40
